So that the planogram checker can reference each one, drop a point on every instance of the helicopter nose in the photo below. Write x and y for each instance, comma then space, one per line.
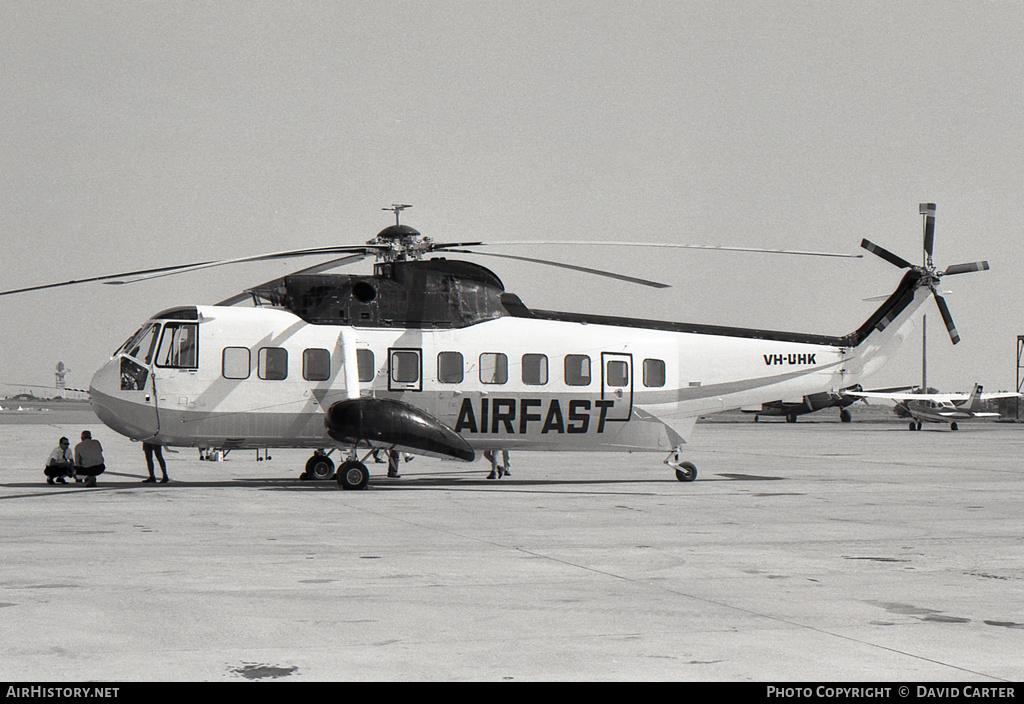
118, 409
102, 390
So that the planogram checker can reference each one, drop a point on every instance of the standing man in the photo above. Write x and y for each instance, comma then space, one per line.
89, 459
152, 449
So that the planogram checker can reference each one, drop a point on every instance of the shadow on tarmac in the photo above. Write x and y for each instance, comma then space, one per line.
408, 483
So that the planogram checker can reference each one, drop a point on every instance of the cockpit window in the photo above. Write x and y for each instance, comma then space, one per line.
134, 339
178, 346
133, 376
142, 346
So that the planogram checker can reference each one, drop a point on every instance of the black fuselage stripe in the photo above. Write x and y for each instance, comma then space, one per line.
890, 309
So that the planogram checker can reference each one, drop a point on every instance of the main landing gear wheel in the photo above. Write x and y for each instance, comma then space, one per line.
352, 474
319, 467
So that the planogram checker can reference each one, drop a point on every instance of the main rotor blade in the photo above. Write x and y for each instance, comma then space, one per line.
946, 317
361, 249
669, 245
573, 267
965, 268
315, 269
448, 245
127, 277
886, 254
100, 278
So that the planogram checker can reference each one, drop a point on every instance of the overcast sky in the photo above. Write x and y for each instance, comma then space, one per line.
137, 135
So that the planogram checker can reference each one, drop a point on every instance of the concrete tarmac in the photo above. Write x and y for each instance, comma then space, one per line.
816, 551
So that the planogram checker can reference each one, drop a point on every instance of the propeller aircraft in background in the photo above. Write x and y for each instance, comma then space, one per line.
951, 408
812, 403
432, 356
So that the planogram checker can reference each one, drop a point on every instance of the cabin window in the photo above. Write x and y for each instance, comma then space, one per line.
654, 373
405, 367
616, 373
272, 363
450, 367
493, 368
235, 363
316, 364
178, 346
366, 365
406, 370
577, 370
535, 369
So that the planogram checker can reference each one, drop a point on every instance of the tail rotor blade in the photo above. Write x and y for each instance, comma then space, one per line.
947, 318
965, 268
885, 254
928, 210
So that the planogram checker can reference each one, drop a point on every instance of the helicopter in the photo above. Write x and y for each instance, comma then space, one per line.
432, 356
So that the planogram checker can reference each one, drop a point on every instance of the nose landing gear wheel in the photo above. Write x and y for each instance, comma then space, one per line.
353, 474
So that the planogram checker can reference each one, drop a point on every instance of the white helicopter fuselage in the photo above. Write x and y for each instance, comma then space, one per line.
227, 377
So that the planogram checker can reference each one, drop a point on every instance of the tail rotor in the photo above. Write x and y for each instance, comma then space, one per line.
929, 276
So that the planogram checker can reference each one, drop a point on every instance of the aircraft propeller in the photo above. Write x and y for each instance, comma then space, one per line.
929, 276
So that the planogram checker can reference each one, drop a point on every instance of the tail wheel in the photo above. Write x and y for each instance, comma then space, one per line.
686, 472
353, 474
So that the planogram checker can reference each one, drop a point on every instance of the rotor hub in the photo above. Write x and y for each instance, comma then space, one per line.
402, 242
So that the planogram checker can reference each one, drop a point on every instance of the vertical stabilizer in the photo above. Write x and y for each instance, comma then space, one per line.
973, 402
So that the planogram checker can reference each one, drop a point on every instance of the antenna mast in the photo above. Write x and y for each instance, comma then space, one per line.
397, 208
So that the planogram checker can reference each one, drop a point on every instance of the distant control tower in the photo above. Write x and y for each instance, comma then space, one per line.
61, 375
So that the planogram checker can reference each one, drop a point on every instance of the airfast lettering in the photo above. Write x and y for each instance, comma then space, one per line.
771, 359
499, 416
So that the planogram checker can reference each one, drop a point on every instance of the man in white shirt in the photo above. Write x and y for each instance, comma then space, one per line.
60, 463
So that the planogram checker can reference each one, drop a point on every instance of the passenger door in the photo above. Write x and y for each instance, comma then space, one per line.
405, 369
617, 384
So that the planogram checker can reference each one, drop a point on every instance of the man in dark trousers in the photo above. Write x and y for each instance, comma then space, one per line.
60, 463
152, 449
88, 459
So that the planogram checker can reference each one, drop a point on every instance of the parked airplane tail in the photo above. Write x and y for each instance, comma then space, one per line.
973, 402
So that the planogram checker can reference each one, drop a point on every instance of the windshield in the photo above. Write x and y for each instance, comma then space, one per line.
141, 344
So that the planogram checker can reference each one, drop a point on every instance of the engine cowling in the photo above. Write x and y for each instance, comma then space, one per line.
820, 400
394, 424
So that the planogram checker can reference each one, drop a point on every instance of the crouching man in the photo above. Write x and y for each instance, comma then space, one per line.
60, 463
88, 459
